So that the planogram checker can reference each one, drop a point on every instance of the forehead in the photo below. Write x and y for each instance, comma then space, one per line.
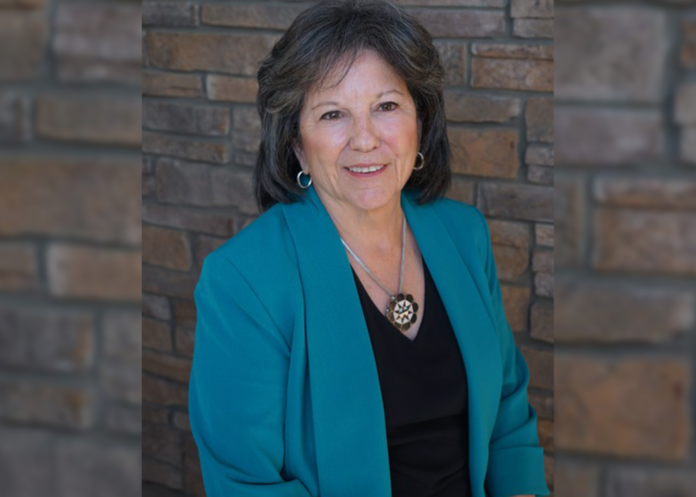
369, 72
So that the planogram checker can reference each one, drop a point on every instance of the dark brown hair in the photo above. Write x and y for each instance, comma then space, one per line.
328, 36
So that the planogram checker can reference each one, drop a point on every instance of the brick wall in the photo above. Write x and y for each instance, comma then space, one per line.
201, 134
70, 269
626, 217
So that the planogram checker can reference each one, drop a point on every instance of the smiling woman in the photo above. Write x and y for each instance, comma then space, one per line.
362, 151
352, 340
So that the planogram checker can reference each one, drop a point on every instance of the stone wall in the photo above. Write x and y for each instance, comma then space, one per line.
626, 218
201, 134
70, 267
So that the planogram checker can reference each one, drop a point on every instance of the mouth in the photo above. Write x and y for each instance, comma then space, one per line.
366, 171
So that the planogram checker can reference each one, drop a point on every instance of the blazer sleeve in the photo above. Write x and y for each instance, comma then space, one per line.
516, 461
238, 388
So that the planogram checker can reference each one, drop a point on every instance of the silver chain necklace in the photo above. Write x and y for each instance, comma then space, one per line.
402, 309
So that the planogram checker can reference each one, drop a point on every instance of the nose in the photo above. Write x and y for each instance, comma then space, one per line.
364, 134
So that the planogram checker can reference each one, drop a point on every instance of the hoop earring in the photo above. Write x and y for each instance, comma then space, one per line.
299, 180
422, 163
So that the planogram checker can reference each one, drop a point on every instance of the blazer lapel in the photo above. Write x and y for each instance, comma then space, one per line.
456, 271
350, 431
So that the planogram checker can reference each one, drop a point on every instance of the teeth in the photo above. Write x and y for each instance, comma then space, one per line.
365, 169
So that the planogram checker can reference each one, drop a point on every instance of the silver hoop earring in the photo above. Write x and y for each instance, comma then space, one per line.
299, 180
422, 163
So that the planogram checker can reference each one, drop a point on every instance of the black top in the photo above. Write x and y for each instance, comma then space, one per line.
423, 384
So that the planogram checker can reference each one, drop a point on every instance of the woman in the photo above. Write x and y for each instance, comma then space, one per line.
352, 340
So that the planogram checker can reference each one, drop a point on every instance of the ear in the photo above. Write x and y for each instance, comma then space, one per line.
299, 153
420, 130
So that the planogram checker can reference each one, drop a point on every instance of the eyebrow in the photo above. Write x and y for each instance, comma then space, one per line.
394, 90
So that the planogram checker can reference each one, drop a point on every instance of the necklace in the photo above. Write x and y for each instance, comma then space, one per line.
402, 309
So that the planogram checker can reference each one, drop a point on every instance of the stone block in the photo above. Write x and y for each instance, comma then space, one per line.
156, 335
170, 14
231, 88
623, 407
516, 201
540, 119
79, 198
156, 306
608, 137
104, 120
645, 241
487, 152
23, 39
203, 51
540, 364
454, 58
163, 84
535, 9
543, 234
253, 16
14, 125
475, 108
163, 443
516, 304
542, 322
48, 340
52, 406
543, 285
462, 23
570, 215
202, 185
646, 192
224, 225
19, 270
186, 118
603, 67
93, 273
169, 283
167, 366
513, 51
98, 42
163, 392
93, 468
539, 155
512, 74
186, 148
166, 248
246, 129
533, 28
595, 312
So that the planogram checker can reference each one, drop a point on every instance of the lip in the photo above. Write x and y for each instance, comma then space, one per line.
366, 175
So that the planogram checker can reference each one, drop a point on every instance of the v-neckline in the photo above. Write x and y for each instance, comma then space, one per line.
384, 319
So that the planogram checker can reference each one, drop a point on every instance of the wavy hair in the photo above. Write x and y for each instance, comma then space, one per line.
326, 38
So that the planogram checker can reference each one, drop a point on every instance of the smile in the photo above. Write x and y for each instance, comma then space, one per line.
362, 171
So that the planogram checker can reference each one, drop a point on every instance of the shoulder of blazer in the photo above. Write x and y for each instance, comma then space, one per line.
465, 223
263, 254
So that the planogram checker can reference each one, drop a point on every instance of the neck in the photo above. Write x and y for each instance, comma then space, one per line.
375, 229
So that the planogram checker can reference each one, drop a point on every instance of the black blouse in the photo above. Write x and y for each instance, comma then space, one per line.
424, 390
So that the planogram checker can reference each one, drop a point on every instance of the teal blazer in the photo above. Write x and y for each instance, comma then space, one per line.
284, 395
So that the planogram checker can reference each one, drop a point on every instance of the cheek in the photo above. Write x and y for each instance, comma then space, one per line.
402, 137
327, 143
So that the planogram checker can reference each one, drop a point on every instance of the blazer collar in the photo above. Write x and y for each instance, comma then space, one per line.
350, 429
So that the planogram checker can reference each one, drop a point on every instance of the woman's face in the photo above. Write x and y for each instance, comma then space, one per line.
367, 121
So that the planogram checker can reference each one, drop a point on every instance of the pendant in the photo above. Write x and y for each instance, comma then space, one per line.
402, 311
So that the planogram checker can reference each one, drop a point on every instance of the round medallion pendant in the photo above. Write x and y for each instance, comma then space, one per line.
402, 311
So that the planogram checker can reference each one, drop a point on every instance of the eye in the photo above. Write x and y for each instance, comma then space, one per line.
331, 116
390, 106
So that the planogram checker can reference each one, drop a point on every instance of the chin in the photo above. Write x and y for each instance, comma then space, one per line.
374, 199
